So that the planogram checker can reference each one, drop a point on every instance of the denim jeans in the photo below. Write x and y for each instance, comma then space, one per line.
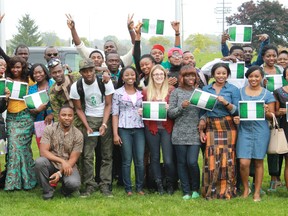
163, 138
188, 167
133, 144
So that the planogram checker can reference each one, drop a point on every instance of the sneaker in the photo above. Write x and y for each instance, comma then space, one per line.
89, 190
186, 197
106, 191
195, 195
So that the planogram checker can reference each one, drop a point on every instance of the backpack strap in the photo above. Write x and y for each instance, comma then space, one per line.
80, 90
101, 86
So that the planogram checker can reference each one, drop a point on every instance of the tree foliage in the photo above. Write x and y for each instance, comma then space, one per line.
265, 16
51, 39
160, 40
199, 42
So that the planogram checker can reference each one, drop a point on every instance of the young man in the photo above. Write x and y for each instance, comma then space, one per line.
96, 118
61, 146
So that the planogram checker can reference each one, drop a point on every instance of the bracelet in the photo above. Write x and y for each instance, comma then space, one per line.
131, 30
60, 174
227, 104
105, 125
177, 34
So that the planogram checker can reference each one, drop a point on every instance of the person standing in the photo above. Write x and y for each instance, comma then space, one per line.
218, 130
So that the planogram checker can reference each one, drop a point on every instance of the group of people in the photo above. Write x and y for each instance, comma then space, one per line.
99, 111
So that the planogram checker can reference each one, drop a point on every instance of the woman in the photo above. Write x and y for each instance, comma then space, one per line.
282, 59
128, 127
270, 67
185, 137
281, 96
20, 163
40, 75
158, 133
251, 144
218, 180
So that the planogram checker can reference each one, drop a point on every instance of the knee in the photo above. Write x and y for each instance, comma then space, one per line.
40, 162
73, 184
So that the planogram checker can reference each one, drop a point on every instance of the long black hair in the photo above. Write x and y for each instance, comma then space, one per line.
120, 80
31, 72
24, 73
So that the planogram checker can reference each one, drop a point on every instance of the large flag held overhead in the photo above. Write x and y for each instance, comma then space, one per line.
240, 33
153, 26
17, 89
275, 81
155, 111
251, 110
33, 101
203, 100
2, 87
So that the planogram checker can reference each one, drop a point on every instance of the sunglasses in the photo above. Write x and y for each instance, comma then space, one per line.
52, 54
53, 63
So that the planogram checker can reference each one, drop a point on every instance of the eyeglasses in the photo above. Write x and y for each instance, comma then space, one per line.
158, 75
53, 63
52, 54
177, 56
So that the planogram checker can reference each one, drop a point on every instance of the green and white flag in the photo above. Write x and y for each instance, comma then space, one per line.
237, 70
275, 81
251, 110
240, 33
153, 26
203, 100
2, 87
17, 89
154, 111
33, 101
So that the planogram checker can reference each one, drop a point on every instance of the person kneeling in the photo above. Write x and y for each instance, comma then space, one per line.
60, 148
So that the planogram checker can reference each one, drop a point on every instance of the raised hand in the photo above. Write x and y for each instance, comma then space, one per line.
70, 21
175, 25
262, 37
130, 22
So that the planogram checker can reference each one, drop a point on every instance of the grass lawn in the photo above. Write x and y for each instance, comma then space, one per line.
31, 203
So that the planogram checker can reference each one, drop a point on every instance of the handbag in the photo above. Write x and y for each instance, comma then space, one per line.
278, 142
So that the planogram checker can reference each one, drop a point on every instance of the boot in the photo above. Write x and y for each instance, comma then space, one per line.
160, 188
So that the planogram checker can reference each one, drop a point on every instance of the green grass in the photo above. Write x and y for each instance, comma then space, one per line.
31, 203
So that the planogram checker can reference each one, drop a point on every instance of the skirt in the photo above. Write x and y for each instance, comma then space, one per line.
20, 163
219, 167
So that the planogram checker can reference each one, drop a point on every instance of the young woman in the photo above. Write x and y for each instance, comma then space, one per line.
20, 163
40, 75
282, 59
218, 179
251, 144
128, 127
270, 67
281, 96
185, 136
158, 133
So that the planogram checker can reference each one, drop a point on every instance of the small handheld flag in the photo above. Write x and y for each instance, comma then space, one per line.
240, 33
203, 100
17, 89
155, 111
251, 110
33, 101
153, 26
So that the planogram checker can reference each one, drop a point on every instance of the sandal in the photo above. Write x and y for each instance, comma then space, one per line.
272, 186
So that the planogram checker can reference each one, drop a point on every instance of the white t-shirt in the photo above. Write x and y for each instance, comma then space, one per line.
93, 98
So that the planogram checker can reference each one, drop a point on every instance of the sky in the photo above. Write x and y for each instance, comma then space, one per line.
96, 19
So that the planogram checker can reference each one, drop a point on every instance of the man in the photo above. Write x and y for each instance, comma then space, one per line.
113, 62
59, 92
175, 57
61, 146
95, 117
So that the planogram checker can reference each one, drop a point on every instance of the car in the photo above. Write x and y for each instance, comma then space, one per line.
67, 55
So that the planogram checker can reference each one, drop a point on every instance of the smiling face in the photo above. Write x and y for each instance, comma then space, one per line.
188, 58
158, 76
255, 78
146, 65
88, 75
270, 57
3, 67
283, 60
189, 80
97, 59
220, 75
57, 74
38, 74
16, 70
66, 116
129, 76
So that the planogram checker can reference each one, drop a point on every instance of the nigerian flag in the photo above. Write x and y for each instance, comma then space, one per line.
251, 110
275, 81
17, 89
240, 33
33, 101
155, 111
153, 26
237, 70
203, 99
2, 87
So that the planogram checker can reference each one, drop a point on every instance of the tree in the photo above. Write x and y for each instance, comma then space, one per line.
27, 33
200, 42
51, 39
265, 17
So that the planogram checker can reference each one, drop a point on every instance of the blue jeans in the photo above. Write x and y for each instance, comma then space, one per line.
163, 138
188, 167
133, 144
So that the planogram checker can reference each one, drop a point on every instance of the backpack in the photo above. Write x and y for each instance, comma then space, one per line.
80, 90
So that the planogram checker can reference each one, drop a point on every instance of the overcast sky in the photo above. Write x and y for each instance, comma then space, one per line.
98, 18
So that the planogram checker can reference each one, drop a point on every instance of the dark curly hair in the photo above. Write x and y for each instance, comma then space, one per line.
24, 73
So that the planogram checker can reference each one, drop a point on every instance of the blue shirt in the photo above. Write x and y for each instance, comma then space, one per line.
230, 93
